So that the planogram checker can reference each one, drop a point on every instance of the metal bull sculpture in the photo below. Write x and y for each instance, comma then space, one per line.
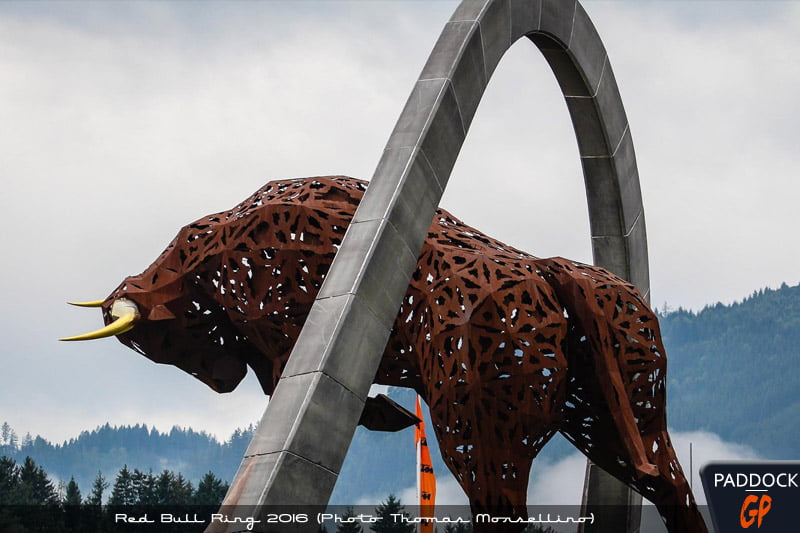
507, 349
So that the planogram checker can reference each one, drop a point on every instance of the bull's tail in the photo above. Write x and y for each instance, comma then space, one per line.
592, 297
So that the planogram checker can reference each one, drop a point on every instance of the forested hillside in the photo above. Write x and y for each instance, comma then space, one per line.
108, 448
735, 370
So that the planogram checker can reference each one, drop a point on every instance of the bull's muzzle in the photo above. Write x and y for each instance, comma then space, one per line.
123, 312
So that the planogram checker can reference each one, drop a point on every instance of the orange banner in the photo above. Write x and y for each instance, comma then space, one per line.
426, 481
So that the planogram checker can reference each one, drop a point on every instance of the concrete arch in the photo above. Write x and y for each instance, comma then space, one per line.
301, 442
444, 100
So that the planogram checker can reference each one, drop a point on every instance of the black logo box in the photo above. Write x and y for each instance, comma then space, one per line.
762, 496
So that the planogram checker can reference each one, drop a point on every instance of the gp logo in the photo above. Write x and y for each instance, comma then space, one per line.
756, 496
749, 516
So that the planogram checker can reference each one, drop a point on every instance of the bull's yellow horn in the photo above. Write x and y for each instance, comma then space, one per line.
125, 314
95, 303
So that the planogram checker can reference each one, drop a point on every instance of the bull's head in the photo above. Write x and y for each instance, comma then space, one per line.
175, 323
233, 289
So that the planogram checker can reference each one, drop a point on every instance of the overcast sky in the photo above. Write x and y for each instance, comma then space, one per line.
122, 122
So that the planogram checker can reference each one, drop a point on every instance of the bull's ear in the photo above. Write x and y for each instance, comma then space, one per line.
160, 312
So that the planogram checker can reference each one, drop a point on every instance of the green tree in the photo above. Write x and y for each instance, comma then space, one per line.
72, 507
210, 491
144, 487
171, 489
9, 480
73, 495
35, 487
8, 439
391, 512
27, 485
93, 517
98, 487
123, 493
164, 486
182, 491
5, 434
349, 527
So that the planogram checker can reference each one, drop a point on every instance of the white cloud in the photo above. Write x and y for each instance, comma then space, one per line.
557, 483
707, 447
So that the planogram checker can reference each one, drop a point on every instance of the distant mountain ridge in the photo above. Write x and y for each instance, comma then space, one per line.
107, 448
734, 370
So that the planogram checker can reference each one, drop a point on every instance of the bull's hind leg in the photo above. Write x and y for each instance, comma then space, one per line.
614, 337
619, 331
669, 490
589, 425
496, 386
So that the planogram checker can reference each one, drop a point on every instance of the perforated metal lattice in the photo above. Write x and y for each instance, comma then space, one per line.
505, 348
